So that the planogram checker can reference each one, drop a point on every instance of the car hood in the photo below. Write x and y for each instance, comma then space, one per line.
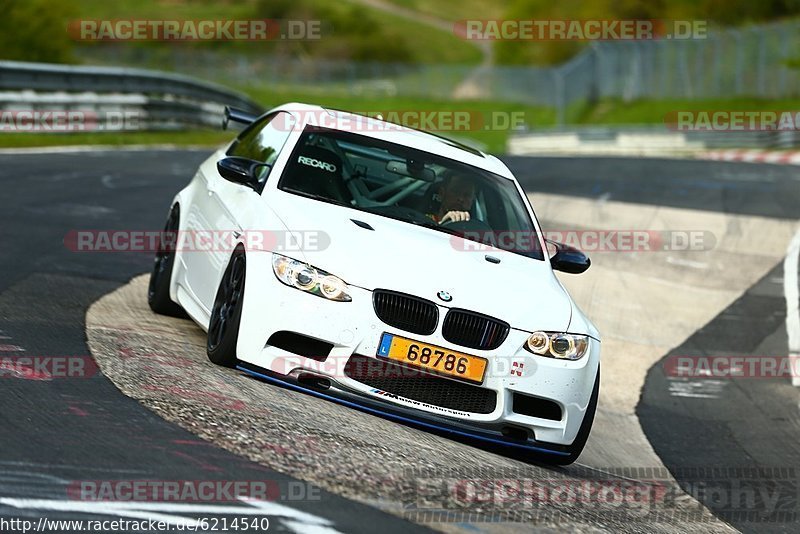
419, 261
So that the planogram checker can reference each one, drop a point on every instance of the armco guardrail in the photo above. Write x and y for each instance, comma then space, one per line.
159, 100
642, 140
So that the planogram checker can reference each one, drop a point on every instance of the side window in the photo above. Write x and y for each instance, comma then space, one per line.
264, 140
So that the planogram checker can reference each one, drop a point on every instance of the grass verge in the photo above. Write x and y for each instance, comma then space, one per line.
614, 111
189, 138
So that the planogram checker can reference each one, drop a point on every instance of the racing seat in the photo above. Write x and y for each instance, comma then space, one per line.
317, 171
430, 201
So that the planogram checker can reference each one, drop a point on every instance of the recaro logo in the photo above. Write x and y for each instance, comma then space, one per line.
311, 162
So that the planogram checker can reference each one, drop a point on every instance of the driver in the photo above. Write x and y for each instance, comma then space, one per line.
455, 196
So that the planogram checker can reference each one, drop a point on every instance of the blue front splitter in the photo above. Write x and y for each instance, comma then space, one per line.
480, 436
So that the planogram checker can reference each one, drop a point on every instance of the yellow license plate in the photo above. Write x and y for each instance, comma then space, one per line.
431, 357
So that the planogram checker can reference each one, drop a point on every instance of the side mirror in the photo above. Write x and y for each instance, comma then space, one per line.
242, 171
569, 259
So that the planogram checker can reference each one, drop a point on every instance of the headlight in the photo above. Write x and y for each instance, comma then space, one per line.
309, 279
558, 345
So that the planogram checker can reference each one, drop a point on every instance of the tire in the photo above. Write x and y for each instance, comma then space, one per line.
223, 327
586, 427
158, 290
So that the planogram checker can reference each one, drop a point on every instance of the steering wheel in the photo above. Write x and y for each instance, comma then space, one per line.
451, 222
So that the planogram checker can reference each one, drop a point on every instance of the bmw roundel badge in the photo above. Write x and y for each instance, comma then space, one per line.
444, 295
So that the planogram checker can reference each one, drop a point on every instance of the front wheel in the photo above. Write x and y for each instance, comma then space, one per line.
586, 426
223, 327
158, 289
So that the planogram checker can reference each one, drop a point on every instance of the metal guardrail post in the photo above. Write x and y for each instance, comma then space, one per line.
558, 82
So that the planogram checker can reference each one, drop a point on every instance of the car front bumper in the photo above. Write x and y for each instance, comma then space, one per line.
353, 328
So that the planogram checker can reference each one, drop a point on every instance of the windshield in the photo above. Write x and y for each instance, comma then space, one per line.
412, 186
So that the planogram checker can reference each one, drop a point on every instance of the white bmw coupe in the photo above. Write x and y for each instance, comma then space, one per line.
387, 269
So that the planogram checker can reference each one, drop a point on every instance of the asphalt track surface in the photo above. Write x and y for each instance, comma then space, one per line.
749, 424
59, 431
747, 428
752, 189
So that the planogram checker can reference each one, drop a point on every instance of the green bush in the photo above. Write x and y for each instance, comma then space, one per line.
35, 30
